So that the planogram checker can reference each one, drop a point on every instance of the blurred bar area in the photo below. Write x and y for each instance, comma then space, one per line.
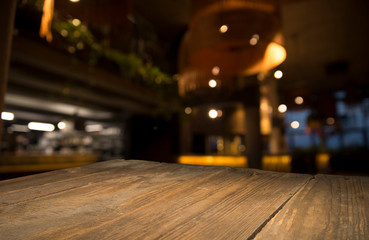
279, 85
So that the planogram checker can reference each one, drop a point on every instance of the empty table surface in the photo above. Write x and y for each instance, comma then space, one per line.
132, 199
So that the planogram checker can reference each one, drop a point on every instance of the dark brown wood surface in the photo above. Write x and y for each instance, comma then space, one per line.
328, 207
148, 200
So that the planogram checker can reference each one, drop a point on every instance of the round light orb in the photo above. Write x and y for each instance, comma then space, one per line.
213, 113
223, 29
215, 70
278, 74
61, 125
282, 108
212, 83
295, 124
188, 110
299, 100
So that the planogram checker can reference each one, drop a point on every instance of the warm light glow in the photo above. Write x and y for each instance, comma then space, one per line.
282, 108
64, 33
280, 163
74, 1
213, 113
254, 39
223, 29
330, 121
188, 110
295, 124
229, 161
61, 125
215, 71
7, 116
219, 113
38, 126
94, 128
76, 22
278, 74
47, 17
212, 83
299, 100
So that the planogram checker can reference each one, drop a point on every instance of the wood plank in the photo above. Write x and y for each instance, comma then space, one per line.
328, 207
144, 200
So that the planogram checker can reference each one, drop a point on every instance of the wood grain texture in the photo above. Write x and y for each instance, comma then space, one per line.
328, 207
143, 200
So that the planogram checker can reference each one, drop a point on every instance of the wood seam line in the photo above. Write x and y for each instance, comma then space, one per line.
257, 230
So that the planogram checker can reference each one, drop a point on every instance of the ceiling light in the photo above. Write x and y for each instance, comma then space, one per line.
282, 108
213, 113
212, 83
295, 124
278, 74
38, 126
61, 125
7, 116
299, 100
74, 1
223, 29
188, 110
215, 71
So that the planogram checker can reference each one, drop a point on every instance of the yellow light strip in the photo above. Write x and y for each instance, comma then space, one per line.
229, 161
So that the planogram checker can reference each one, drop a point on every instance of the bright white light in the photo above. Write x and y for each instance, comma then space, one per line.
215, 70
61, 125
295, 124
94, 128
223, 29
212, 83
299, 100
38, 126
188, 110
282, 108
278, 74
7, 116
213, 113
76, 22
74, 1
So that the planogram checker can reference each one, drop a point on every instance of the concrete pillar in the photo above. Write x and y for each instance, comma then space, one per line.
7, 15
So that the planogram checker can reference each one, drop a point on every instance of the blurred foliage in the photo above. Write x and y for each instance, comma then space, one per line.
76, 38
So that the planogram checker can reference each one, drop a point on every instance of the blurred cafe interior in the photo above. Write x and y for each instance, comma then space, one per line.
280, 85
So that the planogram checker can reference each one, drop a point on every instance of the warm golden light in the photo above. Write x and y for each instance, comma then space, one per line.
74, 1
282, 108
278, 74
47, 17
254, 40
223, 29
295, 124
229, 161
330, 121
76, 22
188, 110
215, 71
299, 100
212, 83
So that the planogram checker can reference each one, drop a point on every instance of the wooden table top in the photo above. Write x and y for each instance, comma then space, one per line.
134, 199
